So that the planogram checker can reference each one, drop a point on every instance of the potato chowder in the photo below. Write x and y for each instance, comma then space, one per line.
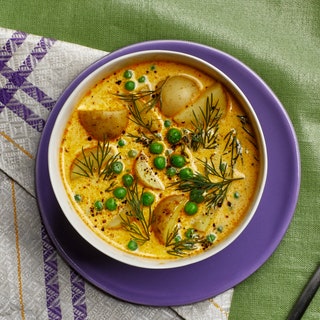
160, 160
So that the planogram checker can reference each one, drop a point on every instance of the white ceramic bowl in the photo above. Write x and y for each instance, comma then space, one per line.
61, 122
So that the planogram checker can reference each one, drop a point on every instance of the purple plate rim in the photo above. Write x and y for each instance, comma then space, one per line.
228, 268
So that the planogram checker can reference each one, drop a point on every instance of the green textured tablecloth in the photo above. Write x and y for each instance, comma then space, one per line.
280, 41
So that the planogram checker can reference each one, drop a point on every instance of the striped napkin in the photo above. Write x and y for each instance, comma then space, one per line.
35, 282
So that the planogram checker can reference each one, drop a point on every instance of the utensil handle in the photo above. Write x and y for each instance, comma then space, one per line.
306, 296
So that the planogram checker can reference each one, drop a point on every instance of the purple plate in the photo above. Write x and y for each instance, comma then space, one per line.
229, 267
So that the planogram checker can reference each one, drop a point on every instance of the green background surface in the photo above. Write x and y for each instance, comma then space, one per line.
280, 41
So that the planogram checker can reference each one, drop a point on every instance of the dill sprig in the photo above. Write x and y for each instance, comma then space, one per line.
107, 172
86, 166
206, 126
181, 247
149, 97
233, 147
245, 123
138, 119
214, 183
142, 138
98, 162
140, 103
136, 222
172, 236
245, 126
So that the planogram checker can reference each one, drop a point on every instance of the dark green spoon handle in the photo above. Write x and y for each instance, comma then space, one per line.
306, 296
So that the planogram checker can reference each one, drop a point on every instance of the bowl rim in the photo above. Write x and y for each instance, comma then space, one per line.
58, 186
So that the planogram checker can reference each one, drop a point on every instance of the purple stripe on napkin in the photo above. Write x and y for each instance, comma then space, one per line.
11, 47
25, 113
38, 95
78, 296
18, 80
51, 277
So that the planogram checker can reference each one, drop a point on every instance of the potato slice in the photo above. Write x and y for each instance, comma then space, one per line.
104, 124
177, 92
166, 216
202, 221
186, 116
145, 173
116, 221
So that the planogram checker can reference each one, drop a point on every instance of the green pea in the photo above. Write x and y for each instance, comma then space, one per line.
185, 173
117, 167
77, 198
156, 147
130, 85
132, 153
160, 162
111, 204
190, 208
132, 245
211, 237
189, 233
196, 196
171, 171
167, 123
127, 180
147, 198
120, 192
177, 160
174, 135
236, 195
220, 228
128, 74
121, 142
98, 205
142, 79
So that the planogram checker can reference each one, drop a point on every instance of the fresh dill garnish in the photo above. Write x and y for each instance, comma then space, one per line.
108, 171
136, 222
142, 138
149, 97
140, 103
86, 166
233, 147
97, 162
206, 126
172, 236
245, 124
214, 183
182, 246
136, 117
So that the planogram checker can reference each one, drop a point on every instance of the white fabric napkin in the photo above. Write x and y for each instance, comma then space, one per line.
35, 283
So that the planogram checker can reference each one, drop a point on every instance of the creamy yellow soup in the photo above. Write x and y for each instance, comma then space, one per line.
160, 160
